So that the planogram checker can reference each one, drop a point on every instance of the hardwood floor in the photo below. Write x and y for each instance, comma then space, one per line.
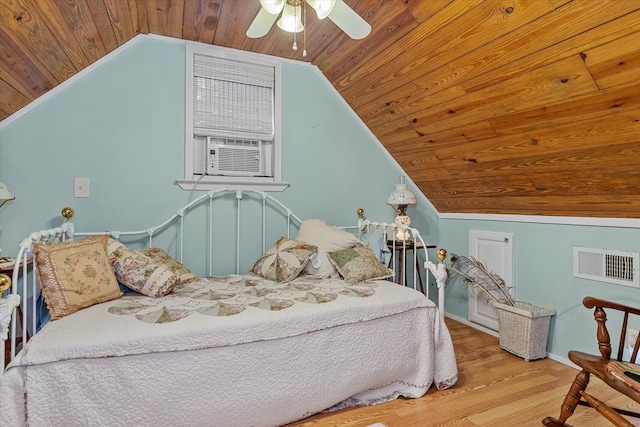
495, 388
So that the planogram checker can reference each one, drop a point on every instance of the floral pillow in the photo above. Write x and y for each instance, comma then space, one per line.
75, 275
378, 244
319, 266
142, 273
359, 264
284, 260
112, 245
163, 258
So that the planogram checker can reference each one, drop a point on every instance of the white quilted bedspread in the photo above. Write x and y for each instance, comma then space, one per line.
236, 350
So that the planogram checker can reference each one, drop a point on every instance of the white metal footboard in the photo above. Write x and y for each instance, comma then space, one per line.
419, 246
26, 288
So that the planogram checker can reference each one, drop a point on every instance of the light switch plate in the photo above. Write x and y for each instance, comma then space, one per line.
80, 187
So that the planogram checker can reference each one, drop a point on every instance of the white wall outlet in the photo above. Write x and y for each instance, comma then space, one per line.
632, 336
80, 187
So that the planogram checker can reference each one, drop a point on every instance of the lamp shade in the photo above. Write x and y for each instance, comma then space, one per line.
290, 20
5, 194
274, 7
322, 7
401, 196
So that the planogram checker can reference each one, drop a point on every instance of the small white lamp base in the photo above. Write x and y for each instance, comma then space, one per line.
403, 220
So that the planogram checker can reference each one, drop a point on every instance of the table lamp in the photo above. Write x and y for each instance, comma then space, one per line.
5, 194
400, 199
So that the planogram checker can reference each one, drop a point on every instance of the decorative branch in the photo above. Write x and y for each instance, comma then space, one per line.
480, 280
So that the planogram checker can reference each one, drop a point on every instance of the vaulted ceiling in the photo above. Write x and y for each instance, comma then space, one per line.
490, 106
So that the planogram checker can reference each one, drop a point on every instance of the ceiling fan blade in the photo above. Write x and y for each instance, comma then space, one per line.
261, 24
349, 21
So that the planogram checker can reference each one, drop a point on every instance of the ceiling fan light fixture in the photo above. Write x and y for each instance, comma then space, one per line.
291, 18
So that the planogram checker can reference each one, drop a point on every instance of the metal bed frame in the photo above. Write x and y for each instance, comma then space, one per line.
25, 283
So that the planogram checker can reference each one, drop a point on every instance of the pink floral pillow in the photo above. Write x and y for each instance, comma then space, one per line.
142, 273
163, 258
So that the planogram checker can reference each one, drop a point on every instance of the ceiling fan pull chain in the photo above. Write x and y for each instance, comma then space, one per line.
304, 30
295, 19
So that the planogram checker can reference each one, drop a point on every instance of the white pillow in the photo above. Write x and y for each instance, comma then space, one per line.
328, 239
320, 266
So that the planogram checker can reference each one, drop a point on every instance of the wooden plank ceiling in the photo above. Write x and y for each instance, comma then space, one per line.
490, 106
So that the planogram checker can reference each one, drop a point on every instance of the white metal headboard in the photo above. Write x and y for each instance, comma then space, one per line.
179, 218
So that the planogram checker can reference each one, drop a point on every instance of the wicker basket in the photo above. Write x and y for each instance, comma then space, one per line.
524, 329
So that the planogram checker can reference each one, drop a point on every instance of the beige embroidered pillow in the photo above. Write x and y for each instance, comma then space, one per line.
75, 275
141, 273
284, 260
359, 264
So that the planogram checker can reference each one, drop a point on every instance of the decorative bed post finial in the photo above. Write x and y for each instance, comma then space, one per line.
442, 254
67, 212
362, 221
439, 271
5, 283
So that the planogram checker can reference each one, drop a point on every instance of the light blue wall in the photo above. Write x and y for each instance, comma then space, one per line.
122, 126
543, 273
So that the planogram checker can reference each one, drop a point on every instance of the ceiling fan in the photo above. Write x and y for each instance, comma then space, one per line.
336, 10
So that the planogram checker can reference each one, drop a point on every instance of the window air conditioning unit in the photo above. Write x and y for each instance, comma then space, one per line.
232, 157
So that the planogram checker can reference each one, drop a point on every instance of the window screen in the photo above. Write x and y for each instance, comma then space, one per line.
233, 99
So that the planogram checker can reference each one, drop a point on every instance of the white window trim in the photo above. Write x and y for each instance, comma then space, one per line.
206, 182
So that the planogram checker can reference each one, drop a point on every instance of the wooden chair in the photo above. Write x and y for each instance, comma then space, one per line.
609, 370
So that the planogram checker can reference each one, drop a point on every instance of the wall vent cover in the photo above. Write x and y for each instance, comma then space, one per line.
620, 268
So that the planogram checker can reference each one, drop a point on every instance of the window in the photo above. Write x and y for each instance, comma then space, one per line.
233, 113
